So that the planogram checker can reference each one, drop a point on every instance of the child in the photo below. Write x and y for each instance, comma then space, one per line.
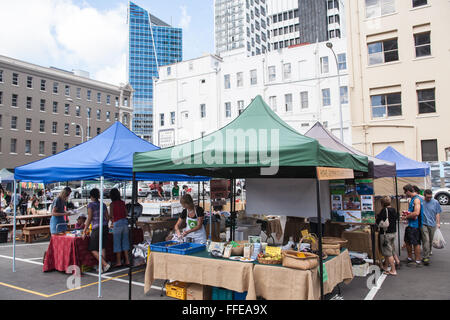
80, 222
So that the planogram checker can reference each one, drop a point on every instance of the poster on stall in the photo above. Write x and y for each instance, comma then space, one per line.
337, 187
348, 216
364, 186
352, 202
367, 203
368, 217
336, 202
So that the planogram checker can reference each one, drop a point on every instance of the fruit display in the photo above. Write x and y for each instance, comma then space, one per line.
265, 258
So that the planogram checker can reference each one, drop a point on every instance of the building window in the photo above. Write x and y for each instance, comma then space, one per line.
41, 147
240, 106
55, 127
342, 61
423, 44
324, 66
304, 100
14, 100
228, 109
13, 122
191, 66
88, 131
43, 85
117, 102
108, 99
161, 119
15, 79
378, 8
28, 124
42, 105
66, 109
326, 97
227, 81
108, 116
13, 145
239, 79
1, 98
99, 131
29, 103
54, 147
203, 111
99, 115
1, 120
272, 73
66, 146
88, 112
125, 102
116, 117
427, 101
42, 126
383, 51
78, 93
169, 71
30, 82
288, 102
55, 107
287, 71
66, 129
172, 118
429, 150
77, 111
1, 75
77, 130
273, 103
27, 146
55, 87
253, 77
67, 90
89, 93
419, 3
344, 95
386, 105
99, 97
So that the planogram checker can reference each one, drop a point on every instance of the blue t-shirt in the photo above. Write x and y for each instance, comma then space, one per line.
415, 223
430, 210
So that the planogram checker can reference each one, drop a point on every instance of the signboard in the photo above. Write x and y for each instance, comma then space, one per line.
166, 138
219, 189
325, 173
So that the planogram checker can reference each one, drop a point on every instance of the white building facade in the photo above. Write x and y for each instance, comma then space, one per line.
300, 84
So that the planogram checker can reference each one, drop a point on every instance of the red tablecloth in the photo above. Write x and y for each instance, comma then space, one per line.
64, 251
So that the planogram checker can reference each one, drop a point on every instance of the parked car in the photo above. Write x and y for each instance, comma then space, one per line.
87, 189
442, 195
143, 189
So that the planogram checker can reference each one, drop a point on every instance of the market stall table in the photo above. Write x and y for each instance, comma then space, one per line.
65, 250
258, 280
29, 218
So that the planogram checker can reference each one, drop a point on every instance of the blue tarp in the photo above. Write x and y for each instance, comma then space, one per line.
406, 167
110, 154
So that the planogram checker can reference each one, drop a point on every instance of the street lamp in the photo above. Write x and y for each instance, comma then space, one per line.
330, 46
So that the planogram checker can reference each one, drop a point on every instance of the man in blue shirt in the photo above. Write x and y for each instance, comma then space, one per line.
412, 232
431, 220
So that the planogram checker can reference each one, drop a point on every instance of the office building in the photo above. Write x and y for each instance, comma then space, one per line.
398, 82
152, 44
44, 111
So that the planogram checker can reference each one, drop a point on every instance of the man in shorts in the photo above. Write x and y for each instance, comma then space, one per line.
431, 221
414, 215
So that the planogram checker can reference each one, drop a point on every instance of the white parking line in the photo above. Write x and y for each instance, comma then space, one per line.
374, 290
26, 245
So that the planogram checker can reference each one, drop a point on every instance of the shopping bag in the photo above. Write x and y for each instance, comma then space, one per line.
438, 240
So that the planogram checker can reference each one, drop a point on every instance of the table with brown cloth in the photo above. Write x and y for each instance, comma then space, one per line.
232, 275
279, 283
64, 251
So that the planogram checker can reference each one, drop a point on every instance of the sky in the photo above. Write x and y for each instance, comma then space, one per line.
91, 35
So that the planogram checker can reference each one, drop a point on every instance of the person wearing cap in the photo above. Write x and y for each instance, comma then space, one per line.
81, 222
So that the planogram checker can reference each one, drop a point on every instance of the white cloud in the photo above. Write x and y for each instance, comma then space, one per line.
63, 34
185, 18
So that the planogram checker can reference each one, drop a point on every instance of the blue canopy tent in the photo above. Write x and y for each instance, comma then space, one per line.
107, 156
406, 167
6, 176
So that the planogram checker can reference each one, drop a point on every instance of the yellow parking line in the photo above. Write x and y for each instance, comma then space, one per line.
24, 290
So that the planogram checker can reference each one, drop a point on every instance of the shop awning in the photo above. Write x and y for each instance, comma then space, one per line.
257, 139
110, 154
406, 167
6, 176
377, 168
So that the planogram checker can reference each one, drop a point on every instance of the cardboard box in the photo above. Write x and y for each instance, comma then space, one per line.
196, 291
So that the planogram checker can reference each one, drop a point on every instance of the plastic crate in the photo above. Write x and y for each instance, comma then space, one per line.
186, 248
161, 246
239, 295
221, 294
177, 290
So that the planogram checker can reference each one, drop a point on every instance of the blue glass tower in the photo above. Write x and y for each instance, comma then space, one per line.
152, 44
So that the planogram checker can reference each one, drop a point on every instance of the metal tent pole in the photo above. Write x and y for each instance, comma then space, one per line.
319, 227
14, 225
100, 246
398, 220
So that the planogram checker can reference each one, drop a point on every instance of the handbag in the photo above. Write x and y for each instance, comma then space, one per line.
385, 224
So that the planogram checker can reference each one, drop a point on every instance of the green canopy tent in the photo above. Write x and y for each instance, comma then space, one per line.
257, 144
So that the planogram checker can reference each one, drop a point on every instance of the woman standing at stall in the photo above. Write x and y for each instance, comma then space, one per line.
388, 236
94, 218
194, 221
121, 233
57, 222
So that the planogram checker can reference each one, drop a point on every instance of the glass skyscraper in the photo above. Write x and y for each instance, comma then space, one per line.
152, 44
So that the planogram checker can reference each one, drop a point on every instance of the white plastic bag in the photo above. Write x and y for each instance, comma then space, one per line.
438, 240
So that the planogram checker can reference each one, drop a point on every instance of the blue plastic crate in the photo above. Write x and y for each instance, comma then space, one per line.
239, 296
161, 246
186, 248
221, 294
